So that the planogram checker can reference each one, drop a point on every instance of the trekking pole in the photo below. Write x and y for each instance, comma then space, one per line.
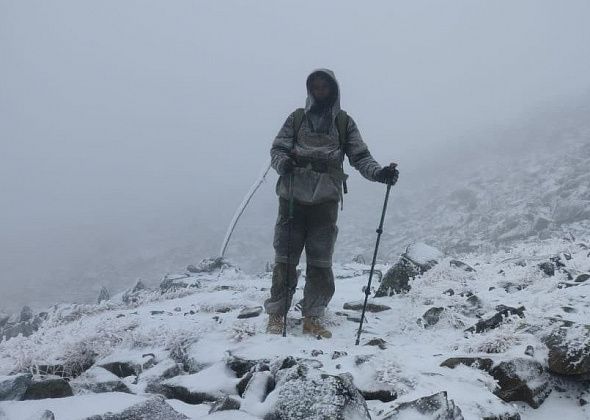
289, 229
368, 288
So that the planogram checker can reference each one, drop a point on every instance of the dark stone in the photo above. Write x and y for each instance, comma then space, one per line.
361, 359
571, 359
241, 366
243, 383
379, 342
547, 268
371, 306
461, 265
338, 354
397, 279
476, 362
530, 351
474, 301
521, 380
497, 319
432, 316
155, 408
224, 404
96, 381
504, 416
156, 312
13, 387
582, 278
48, 388
382, 395
250, 312
208, 265
261, 384
316, 353
122, 369
436, 406
183, 394
307, 395
449, 292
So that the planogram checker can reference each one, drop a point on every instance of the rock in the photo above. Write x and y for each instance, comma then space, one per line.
48, 387
224, 404
172, 283
208, 265
362, 359
383, 395
316, 353
435, 407
582, 278
449, 292
503, 416
530, 351
547, 268
359, 259
243, 383
432, 316
417, 259
13, 387
461, 265
569, 352
134, 294
251, 312
122, 369
311, 395
242, 366
260, 385
3, 319
338, 354
476, 362
98, 380
497, 319
379, 342
371, 306
43, 415
103, 295
155, 408
521, 380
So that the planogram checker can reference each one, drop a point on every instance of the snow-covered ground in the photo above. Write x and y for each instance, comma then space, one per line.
199, 328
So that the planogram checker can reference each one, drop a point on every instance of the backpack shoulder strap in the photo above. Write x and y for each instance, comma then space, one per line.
298, 120
342, 125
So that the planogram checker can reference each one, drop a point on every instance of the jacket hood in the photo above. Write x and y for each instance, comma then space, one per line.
310, 101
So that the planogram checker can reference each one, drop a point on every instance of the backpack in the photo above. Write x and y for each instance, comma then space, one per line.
341, 125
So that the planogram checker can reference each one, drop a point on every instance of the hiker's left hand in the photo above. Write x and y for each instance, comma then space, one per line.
388, 174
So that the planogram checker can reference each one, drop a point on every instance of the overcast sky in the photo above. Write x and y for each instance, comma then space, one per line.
128, 122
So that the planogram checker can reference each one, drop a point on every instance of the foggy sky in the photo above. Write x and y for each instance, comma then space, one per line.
135, 127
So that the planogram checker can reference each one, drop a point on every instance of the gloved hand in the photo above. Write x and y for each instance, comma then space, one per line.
388, 174
287, 166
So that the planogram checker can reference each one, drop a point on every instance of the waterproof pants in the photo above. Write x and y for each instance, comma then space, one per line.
313, 228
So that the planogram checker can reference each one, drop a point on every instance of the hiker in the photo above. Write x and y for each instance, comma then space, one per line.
308, 154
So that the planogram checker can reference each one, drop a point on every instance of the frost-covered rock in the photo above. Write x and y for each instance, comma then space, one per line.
417, 259
155, 408
497, 319
208, 265
224, 404
476, 362
135, 294
259, 386
569, 352
435, 407
97, 379
521, 380
251, 312
42, 415
174, 282
13, 387
127, 363
47, 387
103, 295
315, 396
432, 316
461, 265
372, 306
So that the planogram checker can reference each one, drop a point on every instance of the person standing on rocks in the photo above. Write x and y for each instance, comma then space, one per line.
308, 154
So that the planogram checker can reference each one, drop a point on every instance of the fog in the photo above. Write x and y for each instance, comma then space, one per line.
130, 131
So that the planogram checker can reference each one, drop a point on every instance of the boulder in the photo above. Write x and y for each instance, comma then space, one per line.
432, 316
154, 408
417, 259
208, 265
312, 395
435, 407
13, 387
172, 283
521, 380
259, 386
497, 319
569, 352
582, 278
476, 362
98, 380
224, 404
548, 268
383, 395
48, 387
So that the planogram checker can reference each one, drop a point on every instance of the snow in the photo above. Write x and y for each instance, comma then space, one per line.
409, 366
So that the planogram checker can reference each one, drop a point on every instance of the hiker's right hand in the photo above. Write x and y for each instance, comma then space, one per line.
287, 166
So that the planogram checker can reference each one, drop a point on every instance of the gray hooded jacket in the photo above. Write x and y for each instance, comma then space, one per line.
318, 142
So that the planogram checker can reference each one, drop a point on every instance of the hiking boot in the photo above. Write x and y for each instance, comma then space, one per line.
275, 324
313, 326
